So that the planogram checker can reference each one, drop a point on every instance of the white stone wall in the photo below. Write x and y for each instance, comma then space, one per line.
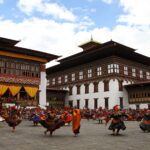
42, 88
113, 94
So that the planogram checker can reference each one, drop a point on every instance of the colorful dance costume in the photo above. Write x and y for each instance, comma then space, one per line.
51, 123
13, 118
117, 121
145, 122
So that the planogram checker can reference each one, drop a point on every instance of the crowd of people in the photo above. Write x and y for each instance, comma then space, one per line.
52, 119
49, 118
118, 116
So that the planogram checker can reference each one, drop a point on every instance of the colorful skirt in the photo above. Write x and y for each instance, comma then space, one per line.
13, 122
117, 125
52, 126
145, 127
36, 119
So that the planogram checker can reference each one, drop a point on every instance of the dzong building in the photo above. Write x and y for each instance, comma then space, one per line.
102, 75
22, 74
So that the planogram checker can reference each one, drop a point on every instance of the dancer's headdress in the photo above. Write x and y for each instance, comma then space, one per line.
116, 108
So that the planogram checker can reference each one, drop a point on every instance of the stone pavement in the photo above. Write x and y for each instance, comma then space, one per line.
92, 137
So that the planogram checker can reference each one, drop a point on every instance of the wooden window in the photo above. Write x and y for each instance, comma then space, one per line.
107, 103
147, 75
32, 68
120, 85
2, 64
32, 74
22, 67
89, 73
110, 68
125, 70
133, 72
80, 75
37, 68
48, 82
36, 74
106, 85
99, 71
8, 64
113, 68
121, 102
95, 103
7, 71
12, 65
95, 87
53, 81
116, 68
86, 103
78, 103
86, 88
71, 103
78, 89
5, 66
18, 66
137, 106
73, 76
59, 80
70, 90
12, 71
141, 73
3, 70
66, 78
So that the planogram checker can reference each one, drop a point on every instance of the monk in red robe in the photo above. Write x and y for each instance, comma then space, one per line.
76, 118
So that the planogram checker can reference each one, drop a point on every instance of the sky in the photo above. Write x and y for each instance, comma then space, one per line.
60, 26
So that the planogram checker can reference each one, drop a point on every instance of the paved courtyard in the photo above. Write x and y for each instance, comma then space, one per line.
92, 137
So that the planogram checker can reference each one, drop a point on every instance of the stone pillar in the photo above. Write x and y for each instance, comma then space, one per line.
42, 87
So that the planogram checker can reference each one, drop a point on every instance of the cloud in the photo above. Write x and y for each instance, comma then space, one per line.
53, 9
42, 34
136, 12
107, 1
127, 35
58, 11
1, 1
29, 6
63, 38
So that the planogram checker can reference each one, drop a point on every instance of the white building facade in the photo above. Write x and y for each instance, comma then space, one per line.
100, 98
97, 76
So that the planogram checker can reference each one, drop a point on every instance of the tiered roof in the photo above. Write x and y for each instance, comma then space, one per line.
8, 48
99, 51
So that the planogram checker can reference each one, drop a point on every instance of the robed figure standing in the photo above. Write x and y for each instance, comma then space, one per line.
76, 118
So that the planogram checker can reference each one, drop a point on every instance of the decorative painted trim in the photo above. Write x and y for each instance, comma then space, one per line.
19, 80
2, 53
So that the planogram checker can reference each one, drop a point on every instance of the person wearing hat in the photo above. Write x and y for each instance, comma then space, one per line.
51, 122
117, 123
14, 118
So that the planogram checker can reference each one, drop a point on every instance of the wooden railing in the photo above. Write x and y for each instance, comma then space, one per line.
139, 100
